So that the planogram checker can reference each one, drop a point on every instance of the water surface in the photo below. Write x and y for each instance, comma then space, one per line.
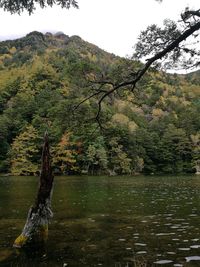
107, 221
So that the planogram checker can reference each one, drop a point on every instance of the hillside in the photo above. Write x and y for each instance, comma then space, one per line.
156, 129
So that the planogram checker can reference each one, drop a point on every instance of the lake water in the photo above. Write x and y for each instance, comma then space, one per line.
107, 221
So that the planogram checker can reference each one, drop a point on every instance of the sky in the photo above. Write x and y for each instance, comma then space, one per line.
113, 25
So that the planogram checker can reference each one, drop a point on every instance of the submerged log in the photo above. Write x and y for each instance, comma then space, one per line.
35, 230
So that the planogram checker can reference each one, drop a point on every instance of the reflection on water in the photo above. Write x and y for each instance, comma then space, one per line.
107, 221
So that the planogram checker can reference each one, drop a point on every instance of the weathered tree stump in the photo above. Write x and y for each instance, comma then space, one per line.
35, 230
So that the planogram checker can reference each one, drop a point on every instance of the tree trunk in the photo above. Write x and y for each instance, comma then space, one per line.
36, 228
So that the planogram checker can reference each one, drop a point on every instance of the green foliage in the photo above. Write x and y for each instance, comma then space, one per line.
119, 161
196, 152
153, 130
96, 157
175, 151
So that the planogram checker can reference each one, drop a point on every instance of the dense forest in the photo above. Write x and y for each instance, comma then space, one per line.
44, 78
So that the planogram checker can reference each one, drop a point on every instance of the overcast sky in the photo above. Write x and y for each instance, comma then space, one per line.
113, 25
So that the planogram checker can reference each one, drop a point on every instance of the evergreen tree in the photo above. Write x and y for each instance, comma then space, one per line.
24, 152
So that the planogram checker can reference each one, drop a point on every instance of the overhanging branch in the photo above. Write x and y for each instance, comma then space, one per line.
136, 77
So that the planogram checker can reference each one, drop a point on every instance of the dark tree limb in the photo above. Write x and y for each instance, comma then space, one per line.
36, 227
132, 79
190, 13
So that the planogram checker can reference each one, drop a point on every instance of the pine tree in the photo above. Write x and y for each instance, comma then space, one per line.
24, 151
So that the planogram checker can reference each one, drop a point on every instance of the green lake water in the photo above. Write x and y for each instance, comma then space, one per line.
106, 221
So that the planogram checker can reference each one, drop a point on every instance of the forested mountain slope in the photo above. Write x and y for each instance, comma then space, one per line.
156, 129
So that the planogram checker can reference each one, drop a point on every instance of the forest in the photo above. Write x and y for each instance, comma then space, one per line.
45, 80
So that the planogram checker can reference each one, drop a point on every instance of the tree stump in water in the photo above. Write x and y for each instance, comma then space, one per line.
36, 227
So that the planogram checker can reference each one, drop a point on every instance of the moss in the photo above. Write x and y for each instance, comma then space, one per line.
20, 241
38, 237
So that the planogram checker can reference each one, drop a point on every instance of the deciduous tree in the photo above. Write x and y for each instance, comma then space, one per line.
65, 153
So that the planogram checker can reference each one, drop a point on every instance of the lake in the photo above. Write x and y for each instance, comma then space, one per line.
106, 221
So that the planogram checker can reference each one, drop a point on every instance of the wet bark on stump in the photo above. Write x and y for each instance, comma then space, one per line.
35, 231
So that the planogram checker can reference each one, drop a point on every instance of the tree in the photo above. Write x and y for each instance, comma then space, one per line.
169, 42
96, 156
16, 6
147, 143
196, 152
65, 153
119, 161
24, 151
175, 151
154, 45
